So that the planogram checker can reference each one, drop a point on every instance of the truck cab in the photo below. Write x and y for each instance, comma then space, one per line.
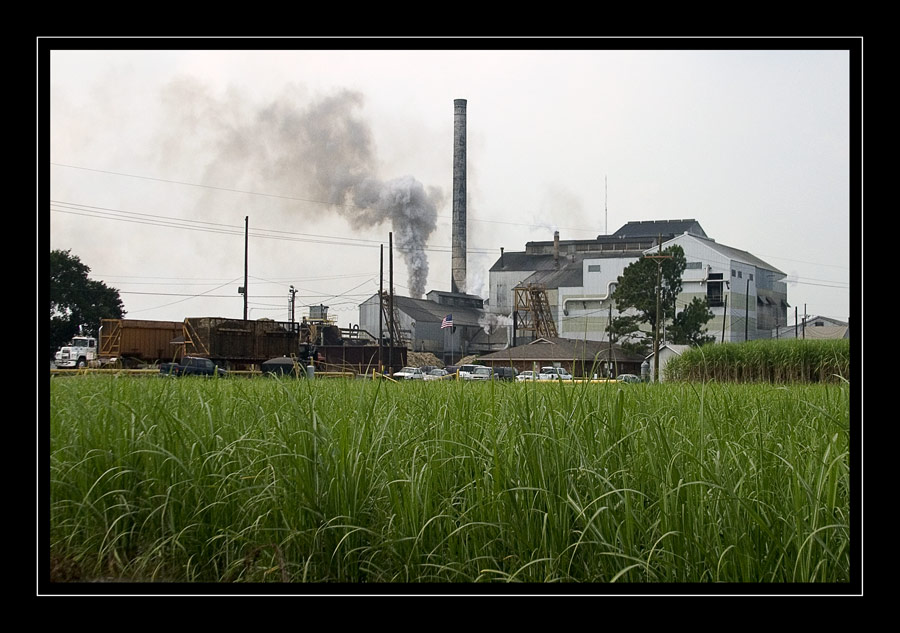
77, 353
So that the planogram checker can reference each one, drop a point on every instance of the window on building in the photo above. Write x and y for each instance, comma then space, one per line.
714, 290
751, 276
740, 274
693, 265
733, 272
593, 268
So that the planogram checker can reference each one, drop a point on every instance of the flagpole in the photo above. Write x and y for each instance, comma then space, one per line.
447, 322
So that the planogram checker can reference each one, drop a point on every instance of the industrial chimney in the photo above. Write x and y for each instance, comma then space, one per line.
458, 254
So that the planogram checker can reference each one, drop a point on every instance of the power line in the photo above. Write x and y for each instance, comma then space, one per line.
212, 227
294, 198
326, 203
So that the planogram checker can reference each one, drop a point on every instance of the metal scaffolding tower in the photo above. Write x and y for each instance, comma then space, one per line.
533, 310
389, 322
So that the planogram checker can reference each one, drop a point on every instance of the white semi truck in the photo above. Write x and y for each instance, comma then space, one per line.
77, 353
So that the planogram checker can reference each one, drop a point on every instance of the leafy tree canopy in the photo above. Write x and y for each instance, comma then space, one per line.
636, 291
76, 300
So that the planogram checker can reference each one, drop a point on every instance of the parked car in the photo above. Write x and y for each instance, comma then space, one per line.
452, 370
628, 378
191, 366
481, 373
465, 371
554, 373
526, 375
410, 373
505, 373
436, 374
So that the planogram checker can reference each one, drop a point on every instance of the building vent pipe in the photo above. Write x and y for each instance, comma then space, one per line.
458, 254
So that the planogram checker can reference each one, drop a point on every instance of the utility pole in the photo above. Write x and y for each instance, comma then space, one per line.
293, 294
242, 290
747, 312
724, 317
609, 372
381, 310
246, 240
659, 257
391, 298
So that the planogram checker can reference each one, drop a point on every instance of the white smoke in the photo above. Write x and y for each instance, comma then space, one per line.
490, 323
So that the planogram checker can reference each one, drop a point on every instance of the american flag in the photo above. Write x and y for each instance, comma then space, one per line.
447, 322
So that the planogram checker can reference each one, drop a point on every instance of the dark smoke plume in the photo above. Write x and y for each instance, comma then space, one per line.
321, 150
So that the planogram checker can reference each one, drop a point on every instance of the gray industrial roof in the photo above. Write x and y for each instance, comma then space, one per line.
562, 349
739, 255
570, 273
426, 310
654, 228
521, 260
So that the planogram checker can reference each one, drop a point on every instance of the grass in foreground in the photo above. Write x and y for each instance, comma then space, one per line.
360, 481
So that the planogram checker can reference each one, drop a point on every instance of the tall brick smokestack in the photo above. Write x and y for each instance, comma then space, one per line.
458, 255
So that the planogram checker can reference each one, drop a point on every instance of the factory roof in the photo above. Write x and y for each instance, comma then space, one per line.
569, 273
737, 254
562, 349
521, 260
524, 261
425, 310
429, 311
654, 228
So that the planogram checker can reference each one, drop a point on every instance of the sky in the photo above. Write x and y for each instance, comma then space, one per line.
159, 160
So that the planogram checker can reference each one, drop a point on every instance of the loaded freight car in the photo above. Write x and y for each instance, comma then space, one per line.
346, 356
132, 342
239, 344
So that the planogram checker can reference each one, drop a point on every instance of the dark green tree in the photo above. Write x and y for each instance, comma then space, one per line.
687, 326
636, 290
76, 300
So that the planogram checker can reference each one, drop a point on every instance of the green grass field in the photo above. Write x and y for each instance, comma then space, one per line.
360, 481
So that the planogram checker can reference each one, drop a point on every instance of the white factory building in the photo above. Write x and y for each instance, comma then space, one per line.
747, 296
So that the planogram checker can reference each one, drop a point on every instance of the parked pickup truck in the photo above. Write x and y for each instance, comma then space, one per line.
191, 366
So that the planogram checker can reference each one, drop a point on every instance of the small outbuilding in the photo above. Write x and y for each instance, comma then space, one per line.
667, 351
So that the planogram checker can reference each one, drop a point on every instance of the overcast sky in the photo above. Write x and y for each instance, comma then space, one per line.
157, 156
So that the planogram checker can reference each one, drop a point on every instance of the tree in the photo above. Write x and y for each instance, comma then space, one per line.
687, 326
76, 301
636, 290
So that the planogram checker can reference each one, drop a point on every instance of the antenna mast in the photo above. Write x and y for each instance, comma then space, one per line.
605, 214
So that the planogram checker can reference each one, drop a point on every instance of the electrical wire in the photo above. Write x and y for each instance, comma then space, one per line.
294, 198
135, 217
